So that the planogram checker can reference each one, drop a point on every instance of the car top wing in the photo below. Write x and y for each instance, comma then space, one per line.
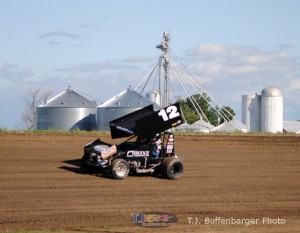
125, 126
159, 121
145, 123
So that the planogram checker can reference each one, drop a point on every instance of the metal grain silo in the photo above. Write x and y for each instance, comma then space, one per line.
154, 96
251, 112
67, 111
124, 103
271, 110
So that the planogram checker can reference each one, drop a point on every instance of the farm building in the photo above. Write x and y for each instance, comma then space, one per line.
68, 110
124, 103
200, 126
291, 127
231, 126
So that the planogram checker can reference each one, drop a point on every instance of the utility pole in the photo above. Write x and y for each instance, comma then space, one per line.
164, 46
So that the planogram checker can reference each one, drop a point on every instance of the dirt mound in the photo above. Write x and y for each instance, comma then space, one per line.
226, 179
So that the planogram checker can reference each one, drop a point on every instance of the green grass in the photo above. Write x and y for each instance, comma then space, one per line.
54, 132
101, 133
236, 133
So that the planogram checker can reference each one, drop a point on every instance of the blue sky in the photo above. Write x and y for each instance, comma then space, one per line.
101, 47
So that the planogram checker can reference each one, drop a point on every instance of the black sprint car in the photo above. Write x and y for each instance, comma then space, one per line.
152, 151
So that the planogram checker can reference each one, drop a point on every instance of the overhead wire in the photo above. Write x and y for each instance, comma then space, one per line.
148, 75
192, 76
188, 82
190, 95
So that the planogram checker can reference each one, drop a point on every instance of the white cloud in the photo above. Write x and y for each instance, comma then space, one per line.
294, 85
220, 52
11, 74
6, 67
59, 33
97, 67
231, 60
137, 59
86, 25
53, 42
285, 46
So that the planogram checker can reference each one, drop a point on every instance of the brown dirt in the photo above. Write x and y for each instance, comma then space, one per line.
238, 177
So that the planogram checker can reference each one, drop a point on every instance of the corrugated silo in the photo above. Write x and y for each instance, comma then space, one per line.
67, 111
251, 112
271, 110
154, 96
124, 103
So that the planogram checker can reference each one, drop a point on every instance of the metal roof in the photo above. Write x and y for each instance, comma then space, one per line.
128, 99
231, 126
292, 126
200, 125
70, 99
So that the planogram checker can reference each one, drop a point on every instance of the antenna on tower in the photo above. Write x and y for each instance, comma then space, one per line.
164, 46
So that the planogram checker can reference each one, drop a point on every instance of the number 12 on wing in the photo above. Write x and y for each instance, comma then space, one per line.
169, 113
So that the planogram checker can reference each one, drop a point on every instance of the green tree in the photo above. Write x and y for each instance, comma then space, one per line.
228, 112
214, 116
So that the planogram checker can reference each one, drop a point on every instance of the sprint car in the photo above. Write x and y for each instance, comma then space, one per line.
150, 148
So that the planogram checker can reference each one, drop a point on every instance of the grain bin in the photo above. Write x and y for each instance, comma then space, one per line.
271, 110
68, 110
124, 103
154, 96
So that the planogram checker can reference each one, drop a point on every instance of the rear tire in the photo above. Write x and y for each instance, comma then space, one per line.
119, 169
172, 168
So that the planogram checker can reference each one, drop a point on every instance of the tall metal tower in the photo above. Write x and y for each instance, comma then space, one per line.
164, 46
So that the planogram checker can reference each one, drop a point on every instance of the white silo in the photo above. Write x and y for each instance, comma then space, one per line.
124, 103
251, 112
271, 110
246, 100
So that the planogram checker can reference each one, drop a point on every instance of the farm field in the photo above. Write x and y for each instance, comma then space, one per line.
235, 177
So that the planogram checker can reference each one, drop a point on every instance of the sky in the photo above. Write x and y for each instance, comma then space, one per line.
101, 47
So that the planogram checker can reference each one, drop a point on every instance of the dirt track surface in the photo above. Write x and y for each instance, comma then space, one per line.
231, 177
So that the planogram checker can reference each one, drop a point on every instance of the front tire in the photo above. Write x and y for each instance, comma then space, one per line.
119, 169
172, 168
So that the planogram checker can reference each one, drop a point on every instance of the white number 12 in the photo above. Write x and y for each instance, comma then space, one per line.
171, 110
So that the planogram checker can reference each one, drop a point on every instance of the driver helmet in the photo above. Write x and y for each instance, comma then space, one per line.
156, 138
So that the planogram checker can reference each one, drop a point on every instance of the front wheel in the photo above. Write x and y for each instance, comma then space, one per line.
119, 169
172, 168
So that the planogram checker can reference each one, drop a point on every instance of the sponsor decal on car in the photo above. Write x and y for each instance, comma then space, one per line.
100, 148
137, 153
109, 152
154, 219
170, 149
